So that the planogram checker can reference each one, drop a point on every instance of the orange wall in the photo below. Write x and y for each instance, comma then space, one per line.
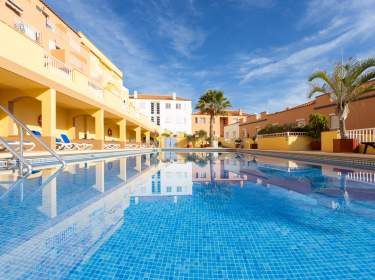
360, 116
220, 122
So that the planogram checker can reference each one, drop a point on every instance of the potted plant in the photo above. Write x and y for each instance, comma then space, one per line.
348, 82
201, 135
190, 138
317, 124
254, 145
238, 142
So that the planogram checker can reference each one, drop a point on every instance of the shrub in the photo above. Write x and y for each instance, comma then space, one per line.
317, 124
270, 129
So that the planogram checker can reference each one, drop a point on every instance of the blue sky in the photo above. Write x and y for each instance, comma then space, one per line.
259, 53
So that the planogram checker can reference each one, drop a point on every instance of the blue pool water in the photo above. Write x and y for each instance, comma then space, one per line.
189, 216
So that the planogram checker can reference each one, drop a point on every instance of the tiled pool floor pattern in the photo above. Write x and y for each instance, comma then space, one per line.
216, 231
235, 233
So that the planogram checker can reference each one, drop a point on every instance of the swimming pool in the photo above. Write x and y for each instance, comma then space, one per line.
189, 216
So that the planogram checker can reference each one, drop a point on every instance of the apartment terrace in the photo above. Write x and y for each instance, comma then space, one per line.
56, 81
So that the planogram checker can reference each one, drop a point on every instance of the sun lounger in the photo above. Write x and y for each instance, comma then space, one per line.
75, 146
111, 146
16, 145
65, 146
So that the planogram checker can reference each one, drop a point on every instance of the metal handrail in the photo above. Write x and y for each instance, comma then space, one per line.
17, 156
41, 142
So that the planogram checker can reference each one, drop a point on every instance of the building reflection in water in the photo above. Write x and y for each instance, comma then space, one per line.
59, 214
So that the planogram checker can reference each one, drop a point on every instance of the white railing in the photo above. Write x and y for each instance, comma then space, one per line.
97, 91
57, 66
28, 30
282, 134
362, 135
361, 176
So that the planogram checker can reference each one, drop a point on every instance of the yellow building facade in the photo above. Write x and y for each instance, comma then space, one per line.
56, 81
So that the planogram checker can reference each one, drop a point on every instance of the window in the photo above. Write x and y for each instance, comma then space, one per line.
169, 189
50, 25
11, 4
179, 189
196, 119
300, 122
152, 119
158, 120
202, 120
152, 107
158, 108
167, 105
178, 106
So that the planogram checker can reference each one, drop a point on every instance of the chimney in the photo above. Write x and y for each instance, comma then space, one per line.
174, 96
135, 94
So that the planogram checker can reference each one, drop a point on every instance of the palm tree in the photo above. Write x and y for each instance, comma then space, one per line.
346, 84
213, 102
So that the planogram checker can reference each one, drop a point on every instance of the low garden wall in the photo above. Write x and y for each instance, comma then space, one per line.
284, 142
327, 142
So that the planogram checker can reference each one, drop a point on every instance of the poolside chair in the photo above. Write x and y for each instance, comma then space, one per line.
75, 146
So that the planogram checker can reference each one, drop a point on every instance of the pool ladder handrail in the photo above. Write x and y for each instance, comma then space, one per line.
19, 155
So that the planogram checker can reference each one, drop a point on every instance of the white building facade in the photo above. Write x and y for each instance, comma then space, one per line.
170, 112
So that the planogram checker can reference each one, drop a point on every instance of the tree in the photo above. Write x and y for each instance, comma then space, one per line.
346, 84
213, 102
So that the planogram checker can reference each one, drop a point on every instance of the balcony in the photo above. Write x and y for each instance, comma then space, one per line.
29, 31
18, 49
58, 67
95, 90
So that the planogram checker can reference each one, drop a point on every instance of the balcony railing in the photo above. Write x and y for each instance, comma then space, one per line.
55, 65
362, 135
28, 30
282, 134
96, 90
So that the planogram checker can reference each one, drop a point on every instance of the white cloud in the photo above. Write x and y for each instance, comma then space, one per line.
259, 60
117, 38
183, 39
276, 77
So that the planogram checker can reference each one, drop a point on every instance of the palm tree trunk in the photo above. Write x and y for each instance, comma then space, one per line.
342, 127
211, 130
